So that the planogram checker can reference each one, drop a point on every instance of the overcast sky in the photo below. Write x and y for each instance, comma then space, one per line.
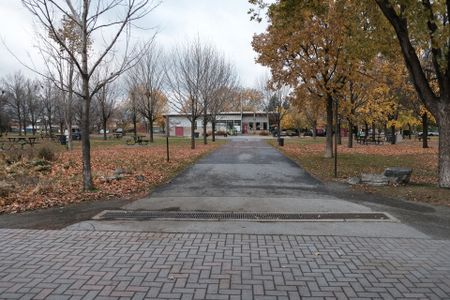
224, 23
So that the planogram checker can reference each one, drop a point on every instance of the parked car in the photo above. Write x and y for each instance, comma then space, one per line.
76, 133
308, 133
433, 133
319, 132
292, 132
101, 131
430, 133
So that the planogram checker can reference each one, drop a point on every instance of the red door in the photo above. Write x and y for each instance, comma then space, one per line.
244, 128
179, 131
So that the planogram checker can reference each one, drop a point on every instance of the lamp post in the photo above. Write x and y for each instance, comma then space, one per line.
167, 138
336, 116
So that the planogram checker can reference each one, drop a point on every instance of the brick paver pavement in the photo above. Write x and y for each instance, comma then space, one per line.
122, 265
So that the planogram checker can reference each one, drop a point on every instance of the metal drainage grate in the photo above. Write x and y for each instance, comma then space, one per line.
246, 216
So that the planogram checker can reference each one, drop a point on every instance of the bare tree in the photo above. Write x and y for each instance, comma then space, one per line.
4, 116
15, 97
111, 20
105, 100
148, 78
185, 74
33, 104
131, 107
215, 87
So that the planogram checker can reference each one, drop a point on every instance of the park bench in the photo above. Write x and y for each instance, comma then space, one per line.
137, 140
361, 140
420, 137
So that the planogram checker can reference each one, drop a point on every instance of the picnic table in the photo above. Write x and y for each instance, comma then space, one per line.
420, 137
138, 139
22, 141
363, 140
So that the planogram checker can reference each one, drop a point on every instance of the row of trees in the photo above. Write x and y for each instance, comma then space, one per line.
39, 106
349, 52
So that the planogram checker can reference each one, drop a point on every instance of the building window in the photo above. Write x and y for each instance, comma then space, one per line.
265, 126
250, 125
258, 126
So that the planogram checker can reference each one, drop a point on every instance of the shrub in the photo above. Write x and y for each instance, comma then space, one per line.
46, 152
264, 132
221, 132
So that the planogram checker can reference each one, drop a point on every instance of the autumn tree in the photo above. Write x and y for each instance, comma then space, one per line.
278, 105
423, 27
111, 20
304, 45
309, 107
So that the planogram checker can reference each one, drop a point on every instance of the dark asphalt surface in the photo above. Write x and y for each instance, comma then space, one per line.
241, 168
247, 168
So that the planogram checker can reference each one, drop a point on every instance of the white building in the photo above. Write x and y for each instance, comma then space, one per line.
239, 122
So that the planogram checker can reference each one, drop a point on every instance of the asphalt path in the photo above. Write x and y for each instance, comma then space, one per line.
249, 175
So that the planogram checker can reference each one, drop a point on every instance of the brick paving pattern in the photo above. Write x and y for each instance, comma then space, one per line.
124, 265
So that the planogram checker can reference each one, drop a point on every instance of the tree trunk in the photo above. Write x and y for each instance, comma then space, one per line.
88, 184
339, 137
279, 126
444, 145
373, 131
314, 129
105, 137
350, 134
205, 135
69, 135
50, 126
135, 126
409, 131
150, 128
329, 137
19, 117
425, 130
193, 134
24, 127
213, 126
393, 140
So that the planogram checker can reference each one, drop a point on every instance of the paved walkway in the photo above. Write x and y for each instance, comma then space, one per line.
249, 175
231, 260
123, 265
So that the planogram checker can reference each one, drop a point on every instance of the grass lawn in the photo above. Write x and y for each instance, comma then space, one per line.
28, 183
374, 159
